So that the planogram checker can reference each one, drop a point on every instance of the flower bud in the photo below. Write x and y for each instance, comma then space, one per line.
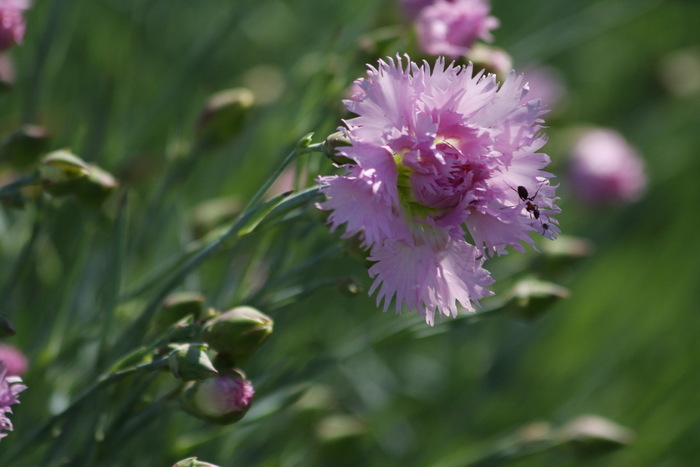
492, 59
193, 462
178, 305
60, 170
190, 362
591, 435
531, 297
6, 328
24, 147
63, 174
221, 399
94, 189
224, 115
238, 332
330, 147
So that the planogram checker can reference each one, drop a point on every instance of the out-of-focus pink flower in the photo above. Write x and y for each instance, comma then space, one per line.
451, 27
14, 360
10, 387
605, 169
411, 8
12, 22
436, 153
545, 83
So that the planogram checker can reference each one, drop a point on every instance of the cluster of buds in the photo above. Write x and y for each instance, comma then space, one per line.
216, 389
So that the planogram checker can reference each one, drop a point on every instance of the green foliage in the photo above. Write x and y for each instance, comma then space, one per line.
123, 84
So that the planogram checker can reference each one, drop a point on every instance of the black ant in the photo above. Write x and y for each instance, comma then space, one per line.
530, 206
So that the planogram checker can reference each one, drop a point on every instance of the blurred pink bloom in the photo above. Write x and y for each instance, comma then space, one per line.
10, 387
411, 8
437, 153
605, 168
14, 360
450, 28
12, 22
545, 83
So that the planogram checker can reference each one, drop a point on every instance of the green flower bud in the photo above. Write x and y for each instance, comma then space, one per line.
193, 462
178, 305
591, 435
238, 332
531, 297
94, 189
62, 174
60, 171
190, 362
24, 147
6, 328
225, 115
221, 399
330, 147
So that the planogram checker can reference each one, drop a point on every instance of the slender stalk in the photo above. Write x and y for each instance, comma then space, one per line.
140, 326
102, 382
27, 180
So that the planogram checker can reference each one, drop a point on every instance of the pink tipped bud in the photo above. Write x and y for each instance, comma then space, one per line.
221, 399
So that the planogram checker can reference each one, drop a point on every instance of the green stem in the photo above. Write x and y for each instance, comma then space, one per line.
240, 226
102, 382
27, 180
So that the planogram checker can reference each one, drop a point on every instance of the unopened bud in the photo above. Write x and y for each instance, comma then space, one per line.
178, 305
24, 147
193, 462
492, 59
190, 362
591, 435
221, 399
6, 328
531, 297
238, 332
63, 173
60, 170
94, 189
330, 147
224, 115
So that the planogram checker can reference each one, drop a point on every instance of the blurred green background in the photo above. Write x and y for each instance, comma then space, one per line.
122, 83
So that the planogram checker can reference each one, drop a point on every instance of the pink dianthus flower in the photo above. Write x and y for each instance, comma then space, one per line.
14, 360
10, 387
605, 169
451, 27
438, 154
12, 23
